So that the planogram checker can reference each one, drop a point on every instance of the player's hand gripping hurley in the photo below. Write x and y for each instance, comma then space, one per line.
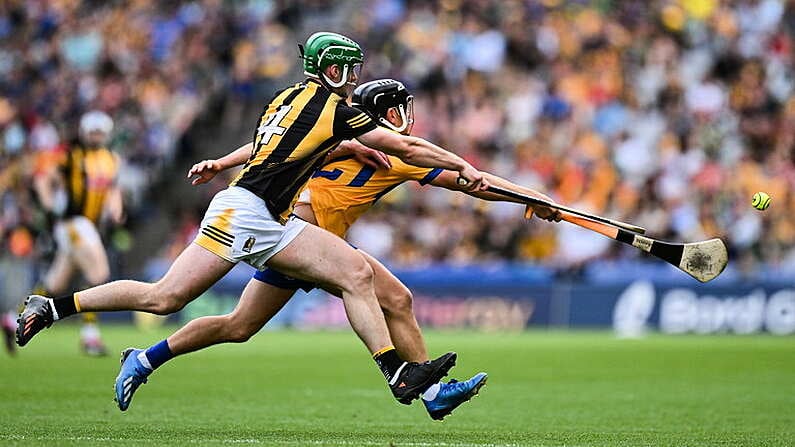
534, 201
703, 260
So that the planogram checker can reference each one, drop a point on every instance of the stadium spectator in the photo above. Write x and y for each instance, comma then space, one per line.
670, 114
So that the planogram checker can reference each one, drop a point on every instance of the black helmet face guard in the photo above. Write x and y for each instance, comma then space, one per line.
377, 97
406, 113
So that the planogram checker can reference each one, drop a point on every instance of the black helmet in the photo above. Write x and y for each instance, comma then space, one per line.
376, 98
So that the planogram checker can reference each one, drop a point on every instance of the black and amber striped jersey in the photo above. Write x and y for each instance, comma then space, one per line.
89, 175
298, 127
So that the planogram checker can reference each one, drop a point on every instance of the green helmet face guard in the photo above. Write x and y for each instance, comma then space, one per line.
325, 49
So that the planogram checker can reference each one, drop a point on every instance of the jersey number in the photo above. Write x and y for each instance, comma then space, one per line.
271, 126
359, 180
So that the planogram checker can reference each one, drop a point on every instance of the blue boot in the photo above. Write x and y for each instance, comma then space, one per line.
131, 376
452, 394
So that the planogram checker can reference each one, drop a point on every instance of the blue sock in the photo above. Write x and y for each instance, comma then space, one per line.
158, 354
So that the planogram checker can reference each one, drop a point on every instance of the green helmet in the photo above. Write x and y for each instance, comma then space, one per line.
325, 49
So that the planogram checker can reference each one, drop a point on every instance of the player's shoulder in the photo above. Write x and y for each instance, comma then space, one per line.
288, 93
351, 122
347, 110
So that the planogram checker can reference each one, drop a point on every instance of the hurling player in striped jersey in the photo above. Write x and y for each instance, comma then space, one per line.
252, 221
338, 194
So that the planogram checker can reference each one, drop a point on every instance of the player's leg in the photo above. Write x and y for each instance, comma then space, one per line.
396, 303
321, 257
79, 248
440, 399
393, 297
193, 272
89, 254
91, 259
258, 304
16, 277
56, 280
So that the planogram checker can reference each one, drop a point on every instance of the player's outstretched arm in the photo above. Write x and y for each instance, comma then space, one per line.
114, 201
363, 154
205, 170
418, 152
449, 180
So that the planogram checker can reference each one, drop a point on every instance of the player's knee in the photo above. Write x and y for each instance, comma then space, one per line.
163, 307
239, 335
163, 299
239, 330
360, 276
398, 302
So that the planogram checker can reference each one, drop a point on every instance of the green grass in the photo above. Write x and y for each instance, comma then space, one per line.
296, 389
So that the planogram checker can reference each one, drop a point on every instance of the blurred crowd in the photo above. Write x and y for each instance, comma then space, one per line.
669, 114
154, 67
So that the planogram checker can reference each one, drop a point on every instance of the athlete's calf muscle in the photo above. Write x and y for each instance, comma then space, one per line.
258, 304
193, 272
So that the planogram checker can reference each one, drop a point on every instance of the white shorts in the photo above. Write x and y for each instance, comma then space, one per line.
239, 227
75, 231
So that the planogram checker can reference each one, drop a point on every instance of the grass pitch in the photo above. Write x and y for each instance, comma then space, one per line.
297, 389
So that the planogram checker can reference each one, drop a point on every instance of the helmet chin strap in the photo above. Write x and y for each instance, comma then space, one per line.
343, 80
403, 118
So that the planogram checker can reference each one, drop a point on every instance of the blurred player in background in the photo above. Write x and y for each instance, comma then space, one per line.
335, 197
16, 274
17, 246
79, 193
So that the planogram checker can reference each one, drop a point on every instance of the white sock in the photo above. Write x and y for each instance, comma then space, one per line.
55, 316
144, 360
89, 331
430, 393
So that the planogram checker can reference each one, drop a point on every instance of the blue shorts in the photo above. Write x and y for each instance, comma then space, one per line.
282, 281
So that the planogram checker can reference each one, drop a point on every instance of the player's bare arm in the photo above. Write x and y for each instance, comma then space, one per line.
449, 180
420, 152
114, 205
114, 201
363, 154
206, 170
46, 186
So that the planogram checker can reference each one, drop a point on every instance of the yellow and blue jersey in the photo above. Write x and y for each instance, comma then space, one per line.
343, 189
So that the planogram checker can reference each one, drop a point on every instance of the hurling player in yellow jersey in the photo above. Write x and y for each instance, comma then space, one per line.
250, 221
334, 198
80, 193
